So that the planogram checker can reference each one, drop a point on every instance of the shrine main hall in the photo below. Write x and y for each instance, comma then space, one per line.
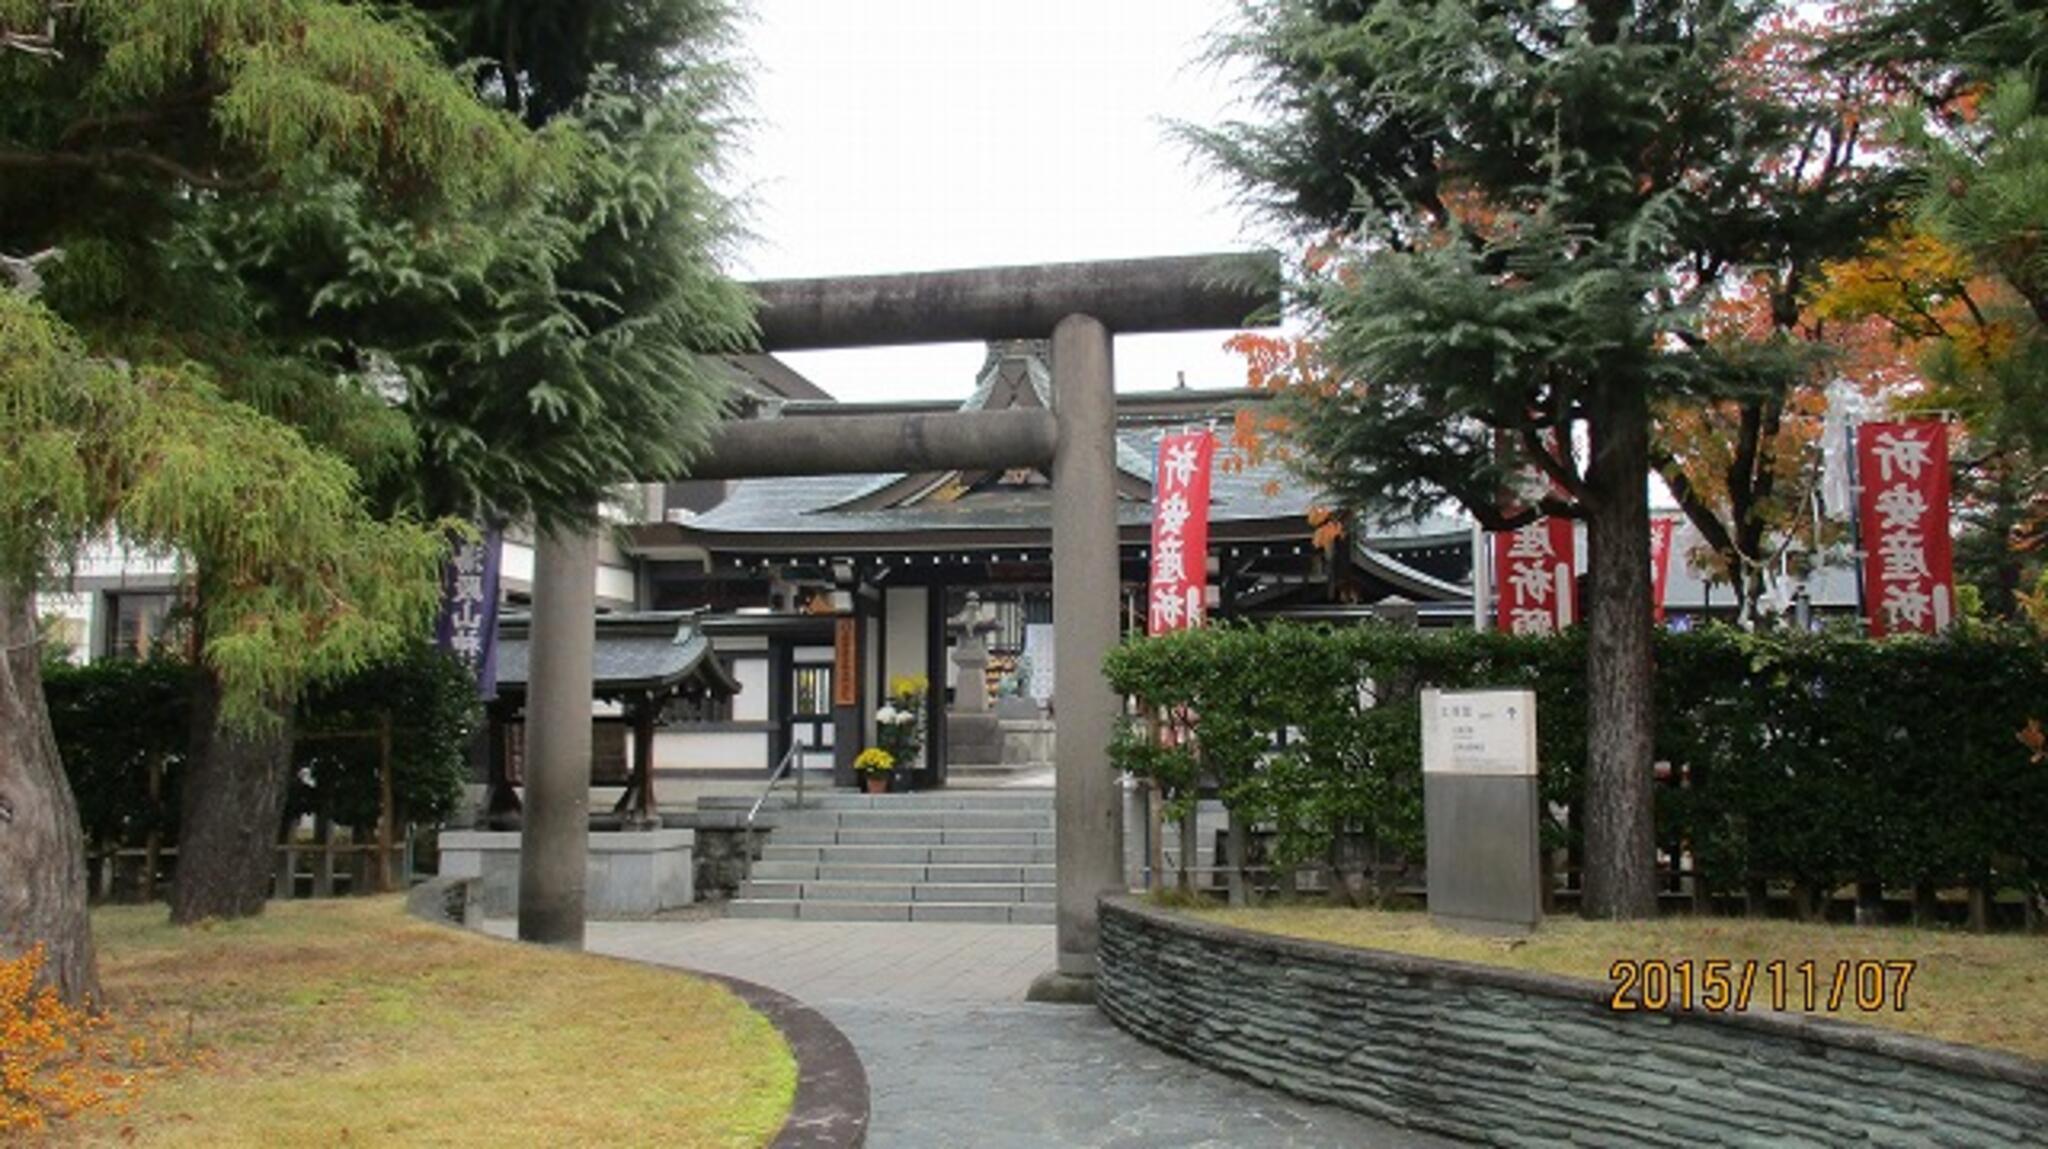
818, 593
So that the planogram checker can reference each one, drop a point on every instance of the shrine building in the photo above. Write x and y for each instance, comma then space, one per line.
816, 588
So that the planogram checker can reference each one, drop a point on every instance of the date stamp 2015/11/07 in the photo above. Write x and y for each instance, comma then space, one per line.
1722, 985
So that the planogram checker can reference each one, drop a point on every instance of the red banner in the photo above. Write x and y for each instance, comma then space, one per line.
1661, 532
1908, 577
1534, 569
1180, 532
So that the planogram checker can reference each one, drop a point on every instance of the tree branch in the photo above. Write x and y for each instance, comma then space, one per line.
43, 44
1742, 469
156, 113
22, 269
1696, 509
1553, 469
106, 158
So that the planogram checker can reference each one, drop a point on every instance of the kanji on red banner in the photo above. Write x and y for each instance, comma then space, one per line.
1180, 532
1661, 531
1908, 577
1534, 568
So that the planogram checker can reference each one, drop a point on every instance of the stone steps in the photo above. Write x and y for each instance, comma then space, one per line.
887, 874
996, 769
842, 890
840, 801
811, 910
1022, 818
809, 835
903, 855
982, 856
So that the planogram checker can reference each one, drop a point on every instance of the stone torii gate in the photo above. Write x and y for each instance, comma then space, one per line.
1083, 305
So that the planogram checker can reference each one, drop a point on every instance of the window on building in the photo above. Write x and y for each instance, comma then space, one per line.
813, 690
137, 623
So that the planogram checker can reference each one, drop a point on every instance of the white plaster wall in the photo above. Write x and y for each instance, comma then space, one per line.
751, 703
720, 750
515, 561
515, 565
616, 583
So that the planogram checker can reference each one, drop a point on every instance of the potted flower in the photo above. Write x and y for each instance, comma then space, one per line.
875, 767
899, 723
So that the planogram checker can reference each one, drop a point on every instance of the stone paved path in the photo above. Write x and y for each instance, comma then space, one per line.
956, 1058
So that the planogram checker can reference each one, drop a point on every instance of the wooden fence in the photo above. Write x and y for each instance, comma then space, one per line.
378, 861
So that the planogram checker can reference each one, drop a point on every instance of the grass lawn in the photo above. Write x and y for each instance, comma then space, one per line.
346, 1022
1979, 989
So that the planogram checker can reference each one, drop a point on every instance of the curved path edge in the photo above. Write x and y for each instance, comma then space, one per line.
831, 1107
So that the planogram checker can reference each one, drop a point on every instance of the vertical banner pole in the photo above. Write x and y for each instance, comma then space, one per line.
1482, 577
1856, 557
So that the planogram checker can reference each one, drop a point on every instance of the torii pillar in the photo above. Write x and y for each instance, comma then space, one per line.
1082, 304
1086, 589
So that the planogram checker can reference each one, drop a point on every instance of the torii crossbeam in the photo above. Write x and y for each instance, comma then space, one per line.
1082, 306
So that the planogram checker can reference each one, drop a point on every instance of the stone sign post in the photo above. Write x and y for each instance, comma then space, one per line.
1479, 810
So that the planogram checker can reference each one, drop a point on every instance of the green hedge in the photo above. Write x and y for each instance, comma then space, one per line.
431, 699
1816, 759
113, 718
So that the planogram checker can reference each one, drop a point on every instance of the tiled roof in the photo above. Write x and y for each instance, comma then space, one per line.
634, 652
804, 505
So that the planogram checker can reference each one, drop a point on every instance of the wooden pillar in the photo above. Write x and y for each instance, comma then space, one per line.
385, 803
643, 756
848, 735
501, 801
152, 843
935, 749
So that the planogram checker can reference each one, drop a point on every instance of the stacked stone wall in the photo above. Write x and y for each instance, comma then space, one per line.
1504, 1057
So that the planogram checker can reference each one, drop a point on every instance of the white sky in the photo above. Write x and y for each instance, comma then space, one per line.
914, 135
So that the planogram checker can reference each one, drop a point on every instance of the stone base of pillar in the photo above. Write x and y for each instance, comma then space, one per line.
1058, 988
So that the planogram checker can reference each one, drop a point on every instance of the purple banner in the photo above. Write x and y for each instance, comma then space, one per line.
468, 625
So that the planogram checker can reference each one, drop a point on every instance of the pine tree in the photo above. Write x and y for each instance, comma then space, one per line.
134, 397
1519, 212
551, 356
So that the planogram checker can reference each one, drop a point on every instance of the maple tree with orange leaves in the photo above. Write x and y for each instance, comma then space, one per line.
1959, 290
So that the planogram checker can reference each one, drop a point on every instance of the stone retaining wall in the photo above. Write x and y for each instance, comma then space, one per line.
1505, 1057
627, 873
725, 848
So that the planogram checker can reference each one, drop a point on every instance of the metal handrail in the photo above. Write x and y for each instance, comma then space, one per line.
795, 755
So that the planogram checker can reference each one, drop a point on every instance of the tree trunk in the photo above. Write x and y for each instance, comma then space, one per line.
1620, 844
42, 846
233, 805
